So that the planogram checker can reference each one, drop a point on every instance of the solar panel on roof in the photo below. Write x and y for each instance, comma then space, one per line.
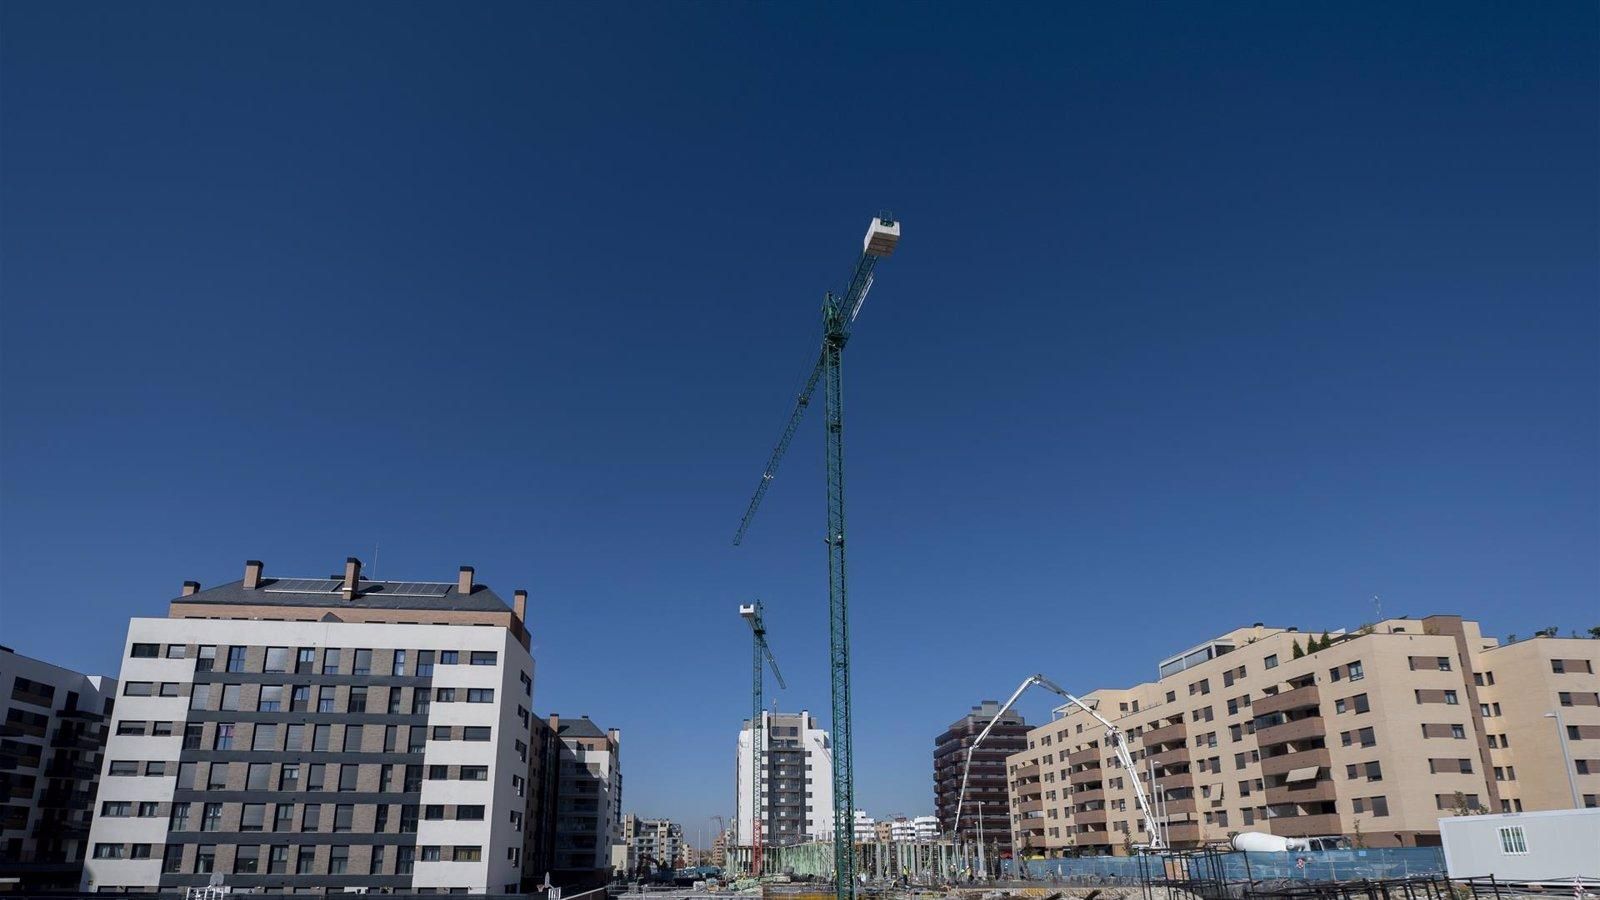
303, 586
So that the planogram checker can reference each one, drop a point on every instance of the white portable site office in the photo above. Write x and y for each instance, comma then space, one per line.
1552, 847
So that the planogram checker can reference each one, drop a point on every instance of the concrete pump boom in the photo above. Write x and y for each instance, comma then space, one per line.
1114, 737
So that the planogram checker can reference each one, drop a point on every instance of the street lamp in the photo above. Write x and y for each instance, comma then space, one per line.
1566, 756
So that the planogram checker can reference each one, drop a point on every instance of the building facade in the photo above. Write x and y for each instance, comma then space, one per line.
311, 735
986, 785
52, 745
865, 827
797, 802
1374, 734
588, 801
657, 840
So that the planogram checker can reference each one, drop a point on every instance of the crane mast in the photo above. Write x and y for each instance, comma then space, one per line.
761, 658
1114, 737
838, 316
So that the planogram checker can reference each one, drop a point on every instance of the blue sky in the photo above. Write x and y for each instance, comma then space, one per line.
1205, 314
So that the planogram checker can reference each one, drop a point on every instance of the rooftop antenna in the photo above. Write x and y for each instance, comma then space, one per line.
374, 560
1377, 607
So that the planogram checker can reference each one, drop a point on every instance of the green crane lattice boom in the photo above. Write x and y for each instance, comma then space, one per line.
761, 658
838, 316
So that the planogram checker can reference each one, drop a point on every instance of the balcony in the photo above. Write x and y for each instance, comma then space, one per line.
1166, 734
1028, 771
1183, 831
1306, 826
1169, 757
1176, 807
1028, 806
1094, 838
1285, 763
1291, 731
1091, 754
1173, 781
1299, 698
1089, 817
1308, 791
1087, 776
1088, 796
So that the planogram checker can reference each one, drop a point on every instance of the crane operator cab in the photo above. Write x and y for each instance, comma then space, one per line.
882, 236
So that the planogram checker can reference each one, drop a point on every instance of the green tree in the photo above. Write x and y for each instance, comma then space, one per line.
1595, 632
1297, 651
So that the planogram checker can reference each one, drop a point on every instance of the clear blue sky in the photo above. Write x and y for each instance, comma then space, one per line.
1205, 314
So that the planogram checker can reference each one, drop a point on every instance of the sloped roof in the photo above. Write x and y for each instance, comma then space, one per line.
373, 595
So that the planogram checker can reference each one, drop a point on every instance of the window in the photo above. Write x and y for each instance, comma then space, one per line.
108, 851
444, 695
338, 860
363, 663
394, 701
217, 780
1558, 666
205, 859
149, 809
325, 699
145, 651
483, 657
433, 812
265, 737
259, 775
469, 813
161, 729
1374, 771
1443, 663
424, 662
320, 736
305, 861
315, 773
430, 853
475, 733
349, 773
1271, 662
130, 728
1512, 841
311, 817
178, 819
277, 860
399, 667
474, 773
358, 700
123, 767
271, 699
283, 817
441, 733
172, 859
116, 808
375, 864
405, 859
294, 737
419, 701
230, 698
449, 657
1458, 731
1356, 671
253, 817
211, 817
236, 659
305, 660
277, 660
206, 659
1450, 698
480, 695
169, 689
438, 773
177, 651
223, 738
344, 817
1379, 805
138, 688
299, 698
467, 854
200, 696
330, 661
352, 738
408, 818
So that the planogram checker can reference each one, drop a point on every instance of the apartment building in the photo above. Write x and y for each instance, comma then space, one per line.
658, 840
1375, 734
588, 801
51, 748
311, 735
987, 794
864, 827
797, 802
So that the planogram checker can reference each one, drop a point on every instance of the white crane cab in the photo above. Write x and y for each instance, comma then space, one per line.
748, 610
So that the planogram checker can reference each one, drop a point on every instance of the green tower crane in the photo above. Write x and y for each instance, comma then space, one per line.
838, 316
762, 657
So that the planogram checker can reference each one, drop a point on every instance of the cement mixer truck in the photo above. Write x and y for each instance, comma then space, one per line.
1260, 842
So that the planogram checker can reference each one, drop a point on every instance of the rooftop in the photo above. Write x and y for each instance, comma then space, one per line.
369, 595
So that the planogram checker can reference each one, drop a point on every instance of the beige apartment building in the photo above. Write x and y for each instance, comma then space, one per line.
1376, 736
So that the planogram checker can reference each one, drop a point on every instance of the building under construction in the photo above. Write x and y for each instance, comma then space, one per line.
987, 798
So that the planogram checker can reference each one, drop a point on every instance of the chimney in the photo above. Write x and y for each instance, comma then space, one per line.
252, 574
555, 723
615, 736
352, 577
519, 605
190, 588
464, 580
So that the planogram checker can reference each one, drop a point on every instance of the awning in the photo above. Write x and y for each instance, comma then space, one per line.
1304, 773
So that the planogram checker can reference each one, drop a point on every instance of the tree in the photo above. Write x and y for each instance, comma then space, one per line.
1549, 631
1359, 839
1595, 632
1297, 651
1326, 641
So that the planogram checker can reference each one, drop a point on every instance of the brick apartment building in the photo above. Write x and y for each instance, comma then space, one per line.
1375, 736
987, 783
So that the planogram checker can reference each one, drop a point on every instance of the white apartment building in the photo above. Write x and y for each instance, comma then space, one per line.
866, 827
50, 754
925, 828
314, 735
797, 802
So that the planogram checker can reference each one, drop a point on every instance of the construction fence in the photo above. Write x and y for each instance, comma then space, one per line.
1305, 865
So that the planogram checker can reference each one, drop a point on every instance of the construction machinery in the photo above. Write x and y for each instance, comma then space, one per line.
1114, 738
761, 658
839, 313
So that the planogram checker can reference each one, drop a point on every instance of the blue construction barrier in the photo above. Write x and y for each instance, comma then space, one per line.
1306, 865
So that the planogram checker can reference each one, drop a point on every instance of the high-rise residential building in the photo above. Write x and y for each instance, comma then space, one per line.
51, 748
986, 787
1373, 734
865, 827
315, 734
797, 802
925, 828
659, 841
588, 801
719, 848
